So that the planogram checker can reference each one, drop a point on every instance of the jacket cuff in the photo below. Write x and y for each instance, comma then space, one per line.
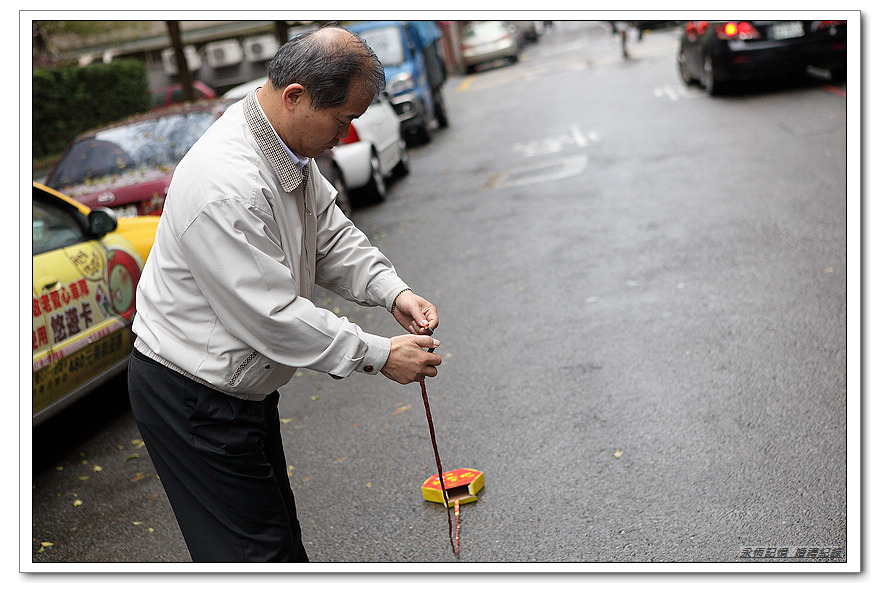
390, 289
378, 349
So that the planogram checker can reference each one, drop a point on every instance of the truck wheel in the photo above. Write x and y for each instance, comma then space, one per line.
440, 110
422, 133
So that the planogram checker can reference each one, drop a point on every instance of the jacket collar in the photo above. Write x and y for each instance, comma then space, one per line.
286, 170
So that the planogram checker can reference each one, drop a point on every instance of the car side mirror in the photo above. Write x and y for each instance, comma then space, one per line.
102, 221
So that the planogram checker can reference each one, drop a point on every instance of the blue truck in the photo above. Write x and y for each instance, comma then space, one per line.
414, 73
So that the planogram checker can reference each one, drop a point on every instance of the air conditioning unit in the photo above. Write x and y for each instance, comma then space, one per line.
223, 53
261, 48
169, 62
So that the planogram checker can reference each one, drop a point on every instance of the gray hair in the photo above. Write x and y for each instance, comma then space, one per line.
327, 67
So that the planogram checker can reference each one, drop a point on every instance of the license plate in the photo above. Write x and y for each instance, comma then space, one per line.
787, 30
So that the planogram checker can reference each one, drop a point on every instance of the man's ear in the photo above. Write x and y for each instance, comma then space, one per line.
293, 95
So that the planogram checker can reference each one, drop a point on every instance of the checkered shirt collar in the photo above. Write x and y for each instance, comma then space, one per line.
285, 168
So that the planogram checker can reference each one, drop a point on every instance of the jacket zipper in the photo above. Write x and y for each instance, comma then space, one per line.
241, 368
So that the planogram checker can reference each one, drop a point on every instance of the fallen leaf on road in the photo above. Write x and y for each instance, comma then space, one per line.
617, 454
401, 409
97, 468
77, 503
130, 457
286, 420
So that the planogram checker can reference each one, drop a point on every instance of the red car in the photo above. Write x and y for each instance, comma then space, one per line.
127, 166
173, 93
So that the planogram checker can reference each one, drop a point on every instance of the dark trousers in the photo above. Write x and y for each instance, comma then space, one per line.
222, 464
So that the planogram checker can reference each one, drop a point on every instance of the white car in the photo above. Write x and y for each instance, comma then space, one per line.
373, 151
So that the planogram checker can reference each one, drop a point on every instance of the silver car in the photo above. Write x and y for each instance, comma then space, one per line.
489, 41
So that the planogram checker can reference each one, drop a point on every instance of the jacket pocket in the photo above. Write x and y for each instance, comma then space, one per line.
257, 374
236, 375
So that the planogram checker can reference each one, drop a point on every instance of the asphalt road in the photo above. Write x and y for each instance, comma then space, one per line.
643, 303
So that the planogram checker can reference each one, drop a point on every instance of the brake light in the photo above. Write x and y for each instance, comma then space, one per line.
692, 28
352, 136
741, 31
829, 24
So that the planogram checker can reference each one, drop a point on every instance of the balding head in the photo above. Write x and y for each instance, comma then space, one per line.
328, 62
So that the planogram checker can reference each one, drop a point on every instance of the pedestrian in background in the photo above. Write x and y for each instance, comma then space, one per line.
621, 29
224, 310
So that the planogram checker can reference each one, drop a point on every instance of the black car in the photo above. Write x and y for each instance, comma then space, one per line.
718, 54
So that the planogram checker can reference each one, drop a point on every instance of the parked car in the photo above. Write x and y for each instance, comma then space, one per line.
719, 54
414, 73
530, 31
127, 166
173, 93
86, 265
373, 151
488, 41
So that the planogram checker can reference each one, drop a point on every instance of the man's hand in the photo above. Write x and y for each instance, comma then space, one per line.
414, 313
408, 362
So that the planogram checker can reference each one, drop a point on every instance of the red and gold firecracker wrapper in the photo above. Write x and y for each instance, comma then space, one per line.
462, 485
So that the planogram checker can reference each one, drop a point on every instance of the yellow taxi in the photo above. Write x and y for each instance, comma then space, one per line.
86, 265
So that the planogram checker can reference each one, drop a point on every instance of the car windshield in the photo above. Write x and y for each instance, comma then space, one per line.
146, 144
387, 44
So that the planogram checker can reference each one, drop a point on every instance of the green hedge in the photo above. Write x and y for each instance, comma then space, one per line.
71, 100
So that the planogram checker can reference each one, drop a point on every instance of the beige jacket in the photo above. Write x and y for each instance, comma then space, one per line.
225, 296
